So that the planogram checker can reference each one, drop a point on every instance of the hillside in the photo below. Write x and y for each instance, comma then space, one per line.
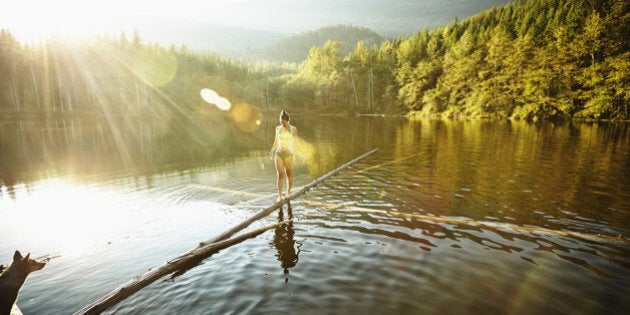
296, 47
258, 27
531, 59
232, 41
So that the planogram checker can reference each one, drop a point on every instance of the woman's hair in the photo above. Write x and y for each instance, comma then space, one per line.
284, 115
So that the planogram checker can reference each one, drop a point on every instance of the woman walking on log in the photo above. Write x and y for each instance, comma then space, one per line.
282, 152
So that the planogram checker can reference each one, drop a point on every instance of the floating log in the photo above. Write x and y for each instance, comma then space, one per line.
278, 204
204, 249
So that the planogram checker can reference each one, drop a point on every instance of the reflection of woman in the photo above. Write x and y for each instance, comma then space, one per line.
284, 242
283, 149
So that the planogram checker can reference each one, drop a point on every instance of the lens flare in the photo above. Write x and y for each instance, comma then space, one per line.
223, 103
155, 70
306, 151
212, 97
246, 117
209, 96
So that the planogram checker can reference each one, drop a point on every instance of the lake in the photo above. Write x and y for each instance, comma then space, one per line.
448, 217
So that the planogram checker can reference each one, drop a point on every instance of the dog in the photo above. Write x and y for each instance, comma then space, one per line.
13, 278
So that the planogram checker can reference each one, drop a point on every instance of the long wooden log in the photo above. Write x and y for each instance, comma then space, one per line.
135, 284
203, 250
278, 204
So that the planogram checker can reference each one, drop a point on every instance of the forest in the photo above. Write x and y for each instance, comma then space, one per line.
530, 59
296, 47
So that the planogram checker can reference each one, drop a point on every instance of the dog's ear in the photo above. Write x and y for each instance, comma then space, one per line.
28, 256
17, 256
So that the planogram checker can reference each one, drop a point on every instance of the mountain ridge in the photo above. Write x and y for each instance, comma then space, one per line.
296, 47
240, 40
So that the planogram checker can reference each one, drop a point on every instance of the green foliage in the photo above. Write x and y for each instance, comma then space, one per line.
299, 93
295, 48
115, 76
528, 60
531, 59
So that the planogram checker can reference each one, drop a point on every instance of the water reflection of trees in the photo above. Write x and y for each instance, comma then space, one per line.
283, 240
514, 169
91, 147
102, 147
493, 165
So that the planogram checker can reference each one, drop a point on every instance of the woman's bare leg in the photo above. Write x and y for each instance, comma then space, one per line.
280, 170
288, 166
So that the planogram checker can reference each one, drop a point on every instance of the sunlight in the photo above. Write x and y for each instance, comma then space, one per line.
246, 117
212, 97
68, 216
306, 153
37, 20
155, 71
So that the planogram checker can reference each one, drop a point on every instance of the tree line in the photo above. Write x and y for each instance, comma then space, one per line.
531, 59
295, 48
120, 75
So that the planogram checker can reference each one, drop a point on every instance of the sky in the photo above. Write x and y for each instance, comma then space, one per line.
30, 20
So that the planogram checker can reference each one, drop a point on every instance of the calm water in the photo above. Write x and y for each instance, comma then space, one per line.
447, 217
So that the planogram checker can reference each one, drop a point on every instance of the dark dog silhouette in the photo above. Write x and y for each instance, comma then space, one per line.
13, 278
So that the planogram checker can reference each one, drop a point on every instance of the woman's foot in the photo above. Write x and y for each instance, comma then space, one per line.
279, 199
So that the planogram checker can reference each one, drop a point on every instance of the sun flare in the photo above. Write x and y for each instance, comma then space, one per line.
36, 20
67, 216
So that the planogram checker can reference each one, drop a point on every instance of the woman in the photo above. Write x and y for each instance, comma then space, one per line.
282, 150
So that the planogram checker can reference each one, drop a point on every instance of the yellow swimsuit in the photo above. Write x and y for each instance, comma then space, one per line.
285, 142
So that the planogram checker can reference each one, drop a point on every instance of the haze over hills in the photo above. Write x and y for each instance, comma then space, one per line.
228, 27
231, 41
296, 47
242, 27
